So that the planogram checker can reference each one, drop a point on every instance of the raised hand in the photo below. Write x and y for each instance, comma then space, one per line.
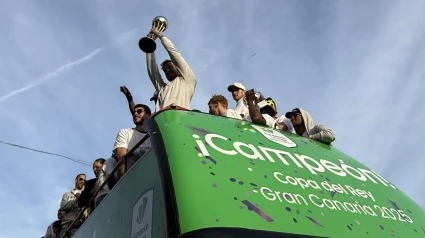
124, 90
156, 32
250, 95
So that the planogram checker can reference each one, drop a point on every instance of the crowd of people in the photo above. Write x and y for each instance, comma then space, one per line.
179, 89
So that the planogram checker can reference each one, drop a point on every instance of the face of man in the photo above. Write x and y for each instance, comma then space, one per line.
268, 110
139, 115
214, 109
97, 167
60, 215
296, 119
80, 181
170, 71
237, 93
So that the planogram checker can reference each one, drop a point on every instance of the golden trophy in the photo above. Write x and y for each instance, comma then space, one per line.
147, 44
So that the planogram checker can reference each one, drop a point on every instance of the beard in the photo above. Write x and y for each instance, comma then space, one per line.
139, 121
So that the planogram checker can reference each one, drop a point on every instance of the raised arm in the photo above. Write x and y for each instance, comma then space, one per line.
254, 113
324, 134
127, 94
178, 60
153, 71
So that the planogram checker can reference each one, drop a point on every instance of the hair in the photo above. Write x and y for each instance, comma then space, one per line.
101, 160
79, 175
219, 99
165, 62
146, 108
57, 224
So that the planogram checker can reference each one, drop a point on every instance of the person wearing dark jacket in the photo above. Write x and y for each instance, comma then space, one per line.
87, 193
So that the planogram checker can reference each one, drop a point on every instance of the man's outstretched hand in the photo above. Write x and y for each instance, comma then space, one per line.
124, 90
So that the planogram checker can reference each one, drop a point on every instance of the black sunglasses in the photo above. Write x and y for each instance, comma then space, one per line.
81, 179
138, 111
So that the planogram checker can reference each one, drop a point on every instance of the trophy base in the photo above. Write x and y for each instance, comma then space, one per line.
147, 45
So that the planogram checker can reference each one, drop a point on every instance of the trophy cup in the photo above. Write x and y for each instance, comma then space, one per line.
147, 44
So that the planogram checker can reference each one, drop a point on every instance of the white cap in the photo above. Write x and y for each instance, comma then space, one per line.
235, 85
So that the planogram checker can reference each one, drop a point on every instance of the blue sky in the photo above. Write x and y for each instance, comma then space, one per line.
357, 66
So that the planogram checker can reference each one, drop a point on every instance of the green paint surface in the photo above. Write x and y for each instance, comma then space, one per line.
228, 174
125, 211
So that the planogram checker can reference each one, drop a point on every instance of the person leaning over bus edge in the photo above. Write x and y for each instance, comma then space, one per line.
181, 80
303, 125
218, 106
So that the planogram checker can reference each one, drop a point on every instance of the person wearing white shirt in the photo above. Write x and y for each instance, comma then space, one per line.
127, 138
218, 106
284, 124
181, 80
238, 93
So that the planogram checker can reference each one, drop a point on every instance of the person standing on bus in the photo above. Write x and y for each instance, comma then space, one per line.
99, 172
303, 125
238, 93
181, 80
126, 139
69, 203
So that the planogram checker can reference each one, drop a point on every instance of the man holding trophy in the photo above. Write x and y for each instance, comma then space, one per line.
181, 80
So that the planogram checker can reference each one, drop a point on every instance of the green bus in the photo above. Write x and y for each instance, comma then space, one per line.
210, 176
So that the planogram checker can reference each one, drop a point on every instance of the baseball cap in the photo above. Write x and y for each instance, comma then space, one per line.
234, 86
268, 103
294, 111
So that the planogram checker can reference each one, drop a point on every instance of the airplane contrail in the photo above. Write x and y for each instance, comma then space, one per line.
48, 76
43, 78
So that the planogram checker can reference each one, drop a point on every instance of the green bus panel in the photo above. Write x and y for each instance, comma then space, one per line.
233, 174
132, 209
